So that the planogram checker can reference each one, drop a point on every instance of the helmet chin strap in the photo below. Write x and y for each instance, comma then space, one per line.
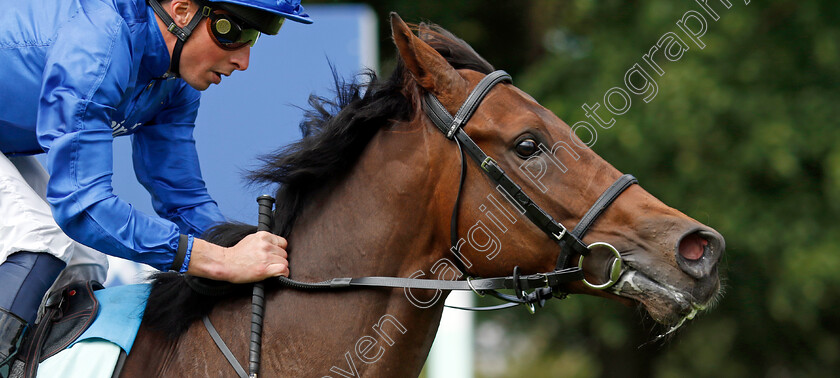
181, 33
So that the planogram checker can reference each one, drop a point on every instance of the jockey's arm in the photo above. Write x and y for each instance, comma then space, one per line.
74, 127
166, 163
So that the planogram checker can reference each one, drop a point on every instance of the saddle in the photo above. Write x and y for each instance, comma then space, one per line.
68, 312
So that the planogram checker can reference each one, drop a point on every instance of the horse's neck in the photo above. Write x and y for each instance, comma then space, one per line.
381, 220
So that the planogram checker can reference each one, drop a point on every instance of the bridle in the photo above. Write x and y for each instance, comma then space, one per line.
543, 285
569, 242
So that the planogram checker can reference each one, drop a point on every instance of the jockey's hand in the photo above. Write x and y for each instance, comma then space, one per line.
256, 257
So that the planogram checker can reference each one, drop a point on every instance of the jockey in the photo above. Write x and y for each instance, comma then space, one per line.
74, 74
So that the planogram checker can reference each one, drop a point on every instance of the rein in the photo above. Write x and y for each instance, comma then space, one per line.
544, 285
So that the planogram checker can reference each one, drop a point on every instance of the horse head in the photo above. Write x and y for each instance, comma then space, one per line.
669, 259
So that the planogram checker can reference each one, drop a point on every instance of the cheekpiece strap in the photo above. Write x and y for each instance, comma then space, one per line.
452, 127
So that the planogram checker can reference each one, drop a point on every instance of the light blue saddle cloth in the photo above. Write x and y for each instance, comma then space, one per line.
120, 312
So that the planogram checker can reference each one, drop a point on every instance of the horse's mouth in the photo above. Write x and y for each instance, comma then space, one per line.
666, 304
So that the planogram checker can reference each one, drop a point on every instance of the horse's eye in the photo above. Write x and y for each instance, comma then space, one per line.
526, 147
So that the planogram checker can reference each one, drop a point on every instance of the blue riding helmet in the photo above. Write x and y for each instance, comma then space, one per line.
266, 16
290, 9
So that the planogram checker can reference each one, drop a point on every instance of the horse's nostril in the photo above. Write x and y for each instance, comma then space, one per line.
693, 246
698, 252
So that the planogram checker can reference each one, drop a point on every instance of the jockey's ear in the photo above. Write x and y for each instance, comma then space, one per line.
429, 69
181, 11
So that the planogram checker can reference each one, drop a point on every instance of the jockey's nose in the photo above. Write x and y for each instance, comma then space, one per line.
241, 58
699, 251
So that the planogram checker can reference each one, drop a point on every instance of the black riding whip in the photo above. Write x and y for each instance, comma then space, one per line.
266, 203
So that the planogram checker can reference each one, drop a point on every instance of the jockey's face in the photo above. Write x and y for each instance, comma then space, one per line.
203, 61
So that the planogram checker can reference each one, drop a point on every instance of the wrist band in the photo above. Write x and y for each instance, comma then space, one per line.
184, 247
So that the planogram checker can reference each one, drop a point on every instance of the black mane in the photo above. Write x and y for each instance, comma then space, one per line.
334, 134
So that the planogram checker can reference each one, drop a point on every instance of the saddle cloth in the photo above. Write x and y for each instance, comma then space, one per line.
120, 312
107, 341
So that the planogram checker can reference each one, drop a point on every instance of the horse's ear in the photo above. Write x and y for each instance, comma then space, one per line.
429, 68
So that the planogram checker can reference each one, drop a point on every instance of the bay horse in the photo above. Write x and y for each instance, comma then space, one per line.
370, 189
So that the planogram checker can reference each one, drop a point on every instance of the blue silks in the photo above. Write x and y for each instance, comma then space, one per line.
74, 74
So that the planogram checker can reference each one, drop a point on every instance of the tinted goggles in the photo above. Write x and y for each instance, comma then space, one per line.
228, 32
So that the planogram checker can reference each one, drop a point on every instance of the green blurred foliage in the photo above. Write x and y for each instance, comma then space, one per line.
742, 136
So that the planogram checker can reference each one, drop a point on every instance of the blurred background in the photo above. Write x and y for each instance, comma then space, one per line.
741, 136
